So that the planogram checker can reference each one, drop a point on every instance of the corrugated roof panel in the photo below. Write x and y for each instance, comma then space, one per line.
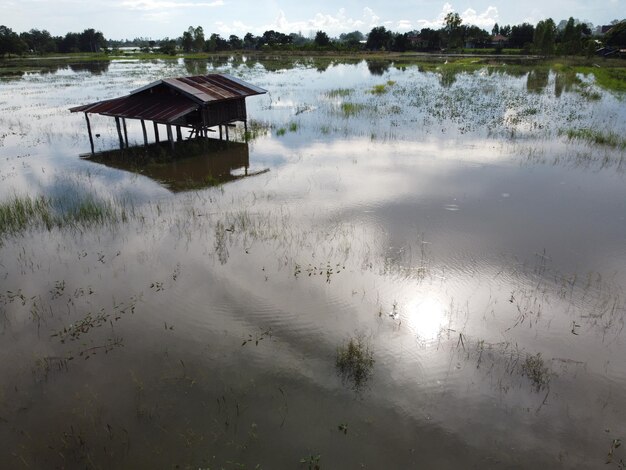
194, 92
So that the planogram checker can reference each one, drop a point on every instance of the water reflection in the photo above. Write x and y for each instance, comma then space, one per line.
195, 164
378, 67
196, 66
97, 67
537, 80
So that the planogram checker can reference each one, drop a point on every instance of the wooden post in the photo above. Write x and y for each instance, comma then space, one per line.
220, 126
119, 132
245, 128
89, 131
156, 132
179, 134
169, 136
125, 132
204, 128
145, 134
226, 127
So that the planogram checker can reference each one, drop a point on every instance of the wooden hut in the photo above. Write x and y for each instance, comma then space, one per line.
197, 103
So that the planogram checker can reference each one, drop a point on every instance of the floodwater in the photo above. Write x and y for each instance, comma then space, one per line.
403, 267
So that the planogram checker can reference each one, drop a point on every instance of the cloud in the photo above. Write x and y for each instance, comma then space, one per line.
149, 5
331, 24
486, 19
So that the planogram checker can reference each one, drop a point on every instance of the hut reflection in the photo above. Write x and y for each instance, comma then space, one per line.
195, 164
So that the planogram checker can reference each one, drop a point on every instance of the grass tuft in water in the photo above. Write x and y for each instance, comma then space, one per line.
610, 139
355, 362
378, 89
21, 213
535, 369
339, 93
351, 109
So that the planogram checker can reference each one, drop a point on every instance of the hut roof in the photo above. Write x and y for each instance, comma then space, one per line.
187, 94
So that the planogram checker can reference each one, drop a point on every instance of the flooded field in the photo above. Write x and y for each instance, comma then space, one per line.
397, 266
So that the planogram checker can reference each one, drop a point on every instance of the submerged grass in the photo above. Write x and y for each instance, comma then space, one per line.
351, 109
339, 93
21, 213
355, 362
592, 136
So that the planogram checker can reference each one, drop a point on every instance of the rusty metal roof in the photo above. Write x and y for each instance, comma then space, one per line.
190, 93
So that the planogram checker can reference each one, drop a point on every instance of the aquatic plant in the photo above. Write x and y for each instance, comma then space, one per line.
21, 213
351, 109
355, 362
339, 93
535, 369
610, 139
378, 89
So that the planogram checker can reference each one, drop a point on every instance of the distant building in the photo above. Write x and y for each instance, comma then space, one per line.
418, 42
498, 40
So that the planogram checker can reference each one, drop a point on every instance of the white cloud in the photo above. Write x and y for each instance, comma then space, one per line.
146, 5
436, 23
403, 25
486, 19
331, 24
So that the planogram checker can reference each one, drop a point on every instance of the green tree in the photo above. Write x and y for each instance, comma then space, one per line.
10, 42
495, 30
91, 40
571, 40
39, 42
544, 38
187, 40
352, 40
198, 39
321, 39
168, 46
452, 27
521, 35
379, 39
234, 42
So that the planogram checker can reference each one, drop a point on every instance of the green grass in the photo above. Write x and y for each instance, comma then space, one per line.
613, 78
21, 213
608, 139
355, 362
378, 89
535, 369
351, 109
339, 93
281, 131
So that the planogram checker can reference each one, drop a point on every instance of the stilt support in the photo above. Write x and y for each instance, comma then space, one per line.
170, 137
145, 134
89, 131
156, 132
125, 132
119, 132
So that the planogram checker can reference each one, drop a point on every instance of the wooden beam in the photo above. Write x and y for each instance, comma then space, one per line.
89, 131
220, 126
125, 132
179, 134
169, 136
145, 134
226, 127
156, 132
119, 132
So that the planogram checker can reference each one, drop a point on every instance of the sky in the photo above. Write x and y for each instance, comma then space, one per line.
120, 19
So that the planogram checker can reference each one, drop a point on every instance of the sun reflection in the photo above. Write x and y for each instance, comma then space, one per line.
425, 316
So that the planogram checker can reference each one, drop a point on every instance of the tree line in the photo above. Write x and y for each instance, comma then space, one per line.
570, 37
38, 41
